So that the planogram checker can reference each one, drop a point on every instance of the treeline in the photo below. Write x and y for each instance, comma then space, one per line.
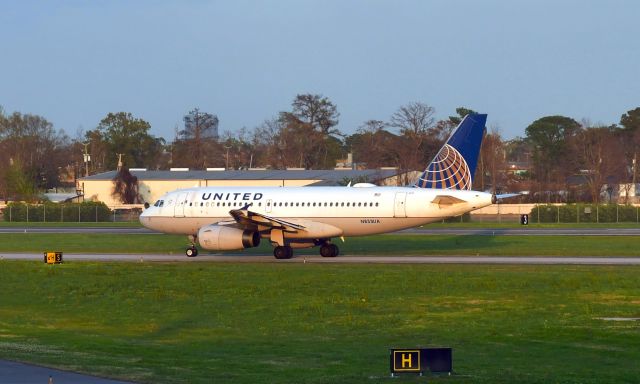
559, 159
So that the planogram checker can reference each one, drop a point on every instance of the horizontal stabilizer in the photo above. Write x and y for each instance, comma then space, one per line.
447, 200
507, 195
498, 198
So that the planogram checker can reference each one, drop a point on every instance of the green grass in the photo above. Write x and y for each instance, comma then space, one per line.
470, 245
304, 323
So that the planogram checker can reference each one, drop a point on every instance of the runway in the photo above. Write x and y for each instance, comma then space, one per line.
309, 259
516, 231
19, 373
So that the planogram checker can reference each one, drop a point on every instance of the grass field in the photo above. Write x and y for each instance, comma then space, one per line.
392, 244
302, 323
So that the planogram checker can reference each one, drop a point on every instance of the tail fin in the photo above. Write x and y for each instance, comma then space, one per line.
455, 164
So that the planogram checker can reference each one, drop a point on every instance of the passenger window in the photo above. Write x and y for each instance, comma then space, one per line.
297, 204
286, 204
331, 204
347, 204
342, 204
359, 204
259, 204
376, 204
268, 204
201, 204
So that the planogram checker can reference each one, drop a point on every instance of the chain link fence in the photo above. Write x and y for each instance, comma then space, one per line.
89, 212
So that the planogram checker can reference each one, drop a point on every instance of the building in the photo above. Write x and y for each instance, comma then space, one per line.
153, 184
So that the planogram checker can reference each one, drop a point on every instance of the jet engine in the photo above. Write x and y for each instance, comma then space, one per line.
222, 238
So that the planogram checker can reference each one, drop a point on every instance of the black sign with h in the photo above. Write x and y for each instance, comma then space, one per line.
419, 360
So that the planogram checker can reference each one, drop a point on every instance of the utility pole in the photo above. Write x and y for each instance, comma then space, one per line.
119, 160
227, 158
87, 158
635, 155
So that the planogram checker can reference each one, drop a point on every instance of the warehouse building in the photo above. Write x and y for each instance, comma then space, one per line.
153, 184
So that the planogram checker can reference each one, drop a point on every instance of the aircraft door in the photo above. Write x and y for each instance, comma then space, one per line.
181, 201
268, 208
399, 209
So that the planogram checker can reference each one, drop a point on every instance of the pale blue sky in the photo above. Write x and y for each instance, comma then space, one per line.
74, 61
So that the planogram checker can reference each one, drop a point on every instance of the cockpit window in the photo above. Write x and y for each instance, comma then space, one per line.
157, 203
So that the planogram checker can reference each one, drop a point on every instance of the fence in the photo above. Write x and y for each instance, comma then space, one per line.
70, 213
559, 213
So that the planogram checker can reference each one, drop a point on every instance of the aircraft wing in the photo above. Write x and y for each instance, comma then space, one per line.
447, 200
247, 218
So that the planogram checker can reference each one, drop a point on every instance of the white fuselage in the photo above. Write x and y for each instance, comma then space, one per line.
356, 211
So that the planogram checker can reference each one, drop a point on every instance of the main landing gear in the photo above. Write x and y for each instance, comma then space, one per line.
283, 252
192, 251
329, 250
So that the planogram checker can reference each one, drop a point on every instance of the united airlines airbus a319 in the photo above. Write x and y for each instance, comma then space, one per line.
234, 218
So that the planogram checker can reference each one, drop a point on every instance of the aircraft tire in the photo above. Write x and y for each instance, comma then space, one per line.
191, 252
282, 252
329, 250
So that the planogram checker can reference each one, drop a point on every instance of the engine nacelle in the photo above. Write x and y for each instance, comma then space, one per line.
222, 238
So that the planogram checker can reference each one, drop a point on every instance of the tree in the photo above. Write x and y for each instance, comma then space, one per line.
462, 112
19, 183
31, 142
305, 136
549, 137
371, 145
122, 133
597, 147
316, 110
416, 144
198, 139
413, 119
631, 120
491, 163
125, 187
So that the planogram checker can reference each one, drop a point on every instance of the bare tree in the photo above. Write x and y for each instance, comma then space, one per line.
200, 132
414, 121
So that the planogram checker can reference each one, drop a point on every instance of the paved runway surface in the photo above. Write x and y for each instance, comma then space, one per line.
526, 231
18, 373
516, 231
337, 260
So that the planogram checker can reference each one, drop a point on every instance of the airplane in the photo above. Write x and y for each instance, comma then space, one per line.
235, 218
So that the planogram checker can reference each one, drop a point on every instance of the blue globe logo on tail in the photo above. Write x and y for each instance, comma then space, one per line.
455, 164
448, 170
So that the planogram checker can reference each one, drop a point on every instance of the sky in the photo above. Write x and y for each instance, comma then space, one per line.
73, 62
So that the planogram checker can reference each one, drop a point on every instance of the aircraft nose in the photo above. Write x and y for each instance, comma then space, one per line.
145, 218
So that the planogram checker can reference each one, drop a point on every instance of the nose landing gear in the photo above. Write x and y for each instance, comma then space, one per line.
192, 251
